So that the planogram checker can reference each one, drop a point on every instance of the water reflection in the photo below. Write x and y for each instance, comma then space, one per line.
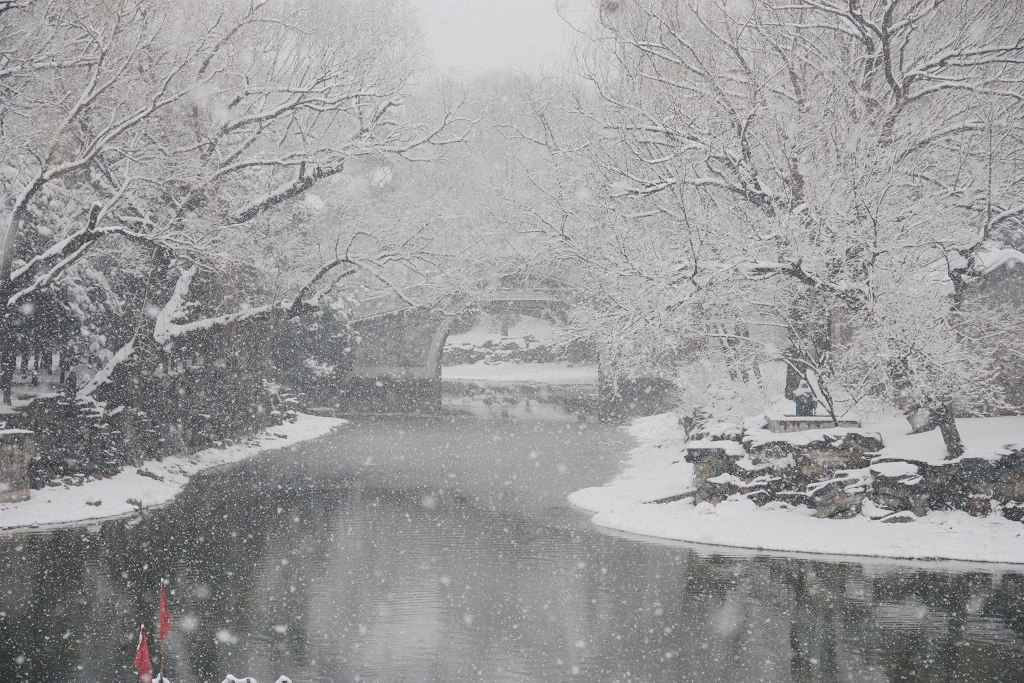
395, 551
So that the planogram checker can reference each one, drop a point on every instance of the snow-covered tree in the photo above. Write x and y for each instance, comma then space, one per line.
174, 129
776, 165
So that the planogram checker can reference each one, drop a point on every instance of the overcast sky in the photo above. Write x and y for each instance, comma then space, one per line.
479, 35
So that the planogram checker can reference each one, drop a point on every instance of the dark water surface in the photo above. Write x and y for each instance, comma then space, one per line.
442, 548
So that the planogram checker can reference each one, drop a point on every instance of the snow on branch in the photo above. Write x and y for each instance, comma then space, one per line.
854, 294
301, 183
67, 245
7, 5
103, 375
167, 329
993, 259
63, 254
172, 331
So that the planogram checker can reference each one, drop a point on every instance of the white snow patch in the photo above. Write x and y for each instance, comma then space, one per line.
727, 478
872, 510
755, 437
655, 470
994, 259
226, 637
546, 373
984, 437
60, 505
527, 331
657, 428
721, 431
319, 369
894, 469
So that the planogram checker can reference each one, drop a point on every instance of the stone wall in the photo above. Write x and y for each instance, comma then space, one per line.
208, 390
17, 448
802, 424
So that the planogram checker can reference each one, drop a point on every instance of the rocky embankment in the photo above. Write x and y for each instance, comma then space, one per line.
841, 472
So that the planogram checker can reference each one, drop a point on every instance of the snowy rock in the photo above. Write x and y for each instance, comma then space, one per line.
894, 469
970, 484
872, 510
816, 454
790, 423
841, 497
705, 509
730, 479
790, 521
898, 485
719, 431
1014, 511
900, 518
762, 465
713, 460
696, 451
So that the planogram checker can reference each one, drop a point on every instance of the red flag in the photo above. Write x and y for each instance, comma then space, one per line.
165, 614
142, 661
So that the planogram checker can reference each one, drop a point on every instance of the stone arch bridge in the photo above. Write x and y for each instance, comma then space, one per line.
396, 365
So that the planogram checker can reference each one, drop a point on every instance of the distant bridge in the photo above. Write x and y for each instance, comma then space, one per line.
394, 302
397, 358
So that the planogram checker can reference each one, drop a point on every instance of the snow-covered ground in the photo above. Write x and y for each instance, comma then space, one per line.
983, 438
547, 373
656, 470
526, 331
502, 362
123, 494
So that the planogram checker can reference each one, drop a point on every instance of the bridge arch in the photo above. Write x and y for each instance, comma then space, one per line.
396, 364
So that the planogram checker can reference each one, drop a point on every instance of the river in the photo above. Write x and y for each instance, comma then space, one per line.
442, 548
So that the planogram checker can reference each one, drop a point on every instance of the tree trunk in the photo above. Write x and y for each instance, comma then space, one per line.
793, 376
945, 420
8, 354
7, 374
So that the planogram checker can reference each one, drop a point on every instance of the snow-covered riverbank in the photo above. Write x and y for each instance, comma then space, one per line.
656, 470
155, 483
